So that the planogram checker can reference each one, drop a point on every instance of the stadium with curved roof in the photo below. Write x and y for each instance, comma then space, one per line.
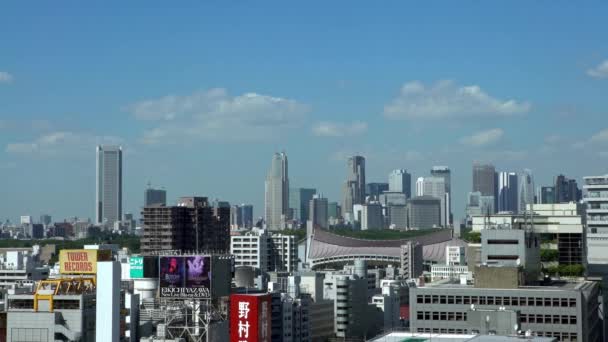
326, 249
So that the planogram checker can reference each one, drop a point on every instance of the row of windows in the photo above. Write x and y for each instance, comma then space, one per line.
561, 336
441, 316
496, 300
547, 319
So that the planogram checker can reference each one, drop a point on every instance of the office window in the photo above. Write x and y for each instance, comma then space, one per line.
572, 302
435, 299
419, 299
435, 316
498, 301
442, 299
540, 319
515, 301
458, 300
490, 300
420, 315
482, 300
450, 299
506, 300
572, 319
564, 302
565, 320
451, 316
555, 319
555, 302
523, 318
443, 316
474, 300
547, 301
539, 302
466, 300
427, 299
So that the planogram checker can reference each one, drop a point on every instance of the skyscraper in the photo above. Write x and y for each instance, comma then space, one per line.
108, 203
507, 192
247, 215
318, 212
155, 196
354, 187
546, 195
566, 190
485, 180
277, 193
526, 189
299, 199
374, 190
435, 187
400, 181
445, 173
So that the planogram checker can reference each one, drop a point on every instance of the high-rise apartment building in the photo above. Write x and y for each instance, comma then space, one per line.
445, 173
596, 198
507, 192
400, 181
108, 203
299, 199
354, 187
277, 193
192, 225
155, 196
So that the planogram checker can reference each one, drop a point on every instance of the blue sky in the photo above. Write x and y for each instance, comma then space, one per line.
201, 94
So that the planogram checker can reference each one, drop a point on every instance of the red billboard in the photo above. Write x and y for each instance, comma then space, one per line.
250, 318
185, 276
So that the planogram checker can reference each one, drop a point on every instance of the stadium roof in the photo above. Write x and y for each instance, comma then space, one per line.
336, 248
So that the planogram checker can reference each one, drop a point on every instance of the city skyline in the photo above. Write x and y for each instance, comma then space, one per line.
351, 93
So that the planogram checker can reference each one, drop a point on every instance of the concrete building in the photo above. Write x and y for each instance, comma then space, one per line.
455, 255
265, 251
374, 190
454, 272
371, 217
411, 265
596, 235
283, 253
155, 196
107, 326
566, 311
400, 181
21, 267
424, 212
354, 187
299, 203
108, 204
354, 316
389, 198
45, 219
318, 212
388, 304
53, 312
276, 210
191, 225
565, 222
514, 248
507, 192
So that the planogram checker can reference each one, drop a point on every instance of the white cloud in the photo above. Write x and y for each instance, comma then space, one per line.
483, 138
445, 99
5, 77
61, 143
600, 71
215, 115
339, 129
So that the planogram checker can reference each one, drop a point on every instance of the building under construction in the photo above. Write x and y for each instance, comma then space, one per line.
191, 225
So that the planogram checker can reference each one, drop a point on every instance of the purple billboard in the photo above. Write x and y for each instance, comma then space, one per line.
185, 276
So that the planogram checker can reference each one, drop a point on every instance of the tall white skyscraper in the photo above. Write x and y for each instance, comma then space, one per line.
108, 203
526, 189
435, 187
400, 181
277, 193
445, 173
507, 192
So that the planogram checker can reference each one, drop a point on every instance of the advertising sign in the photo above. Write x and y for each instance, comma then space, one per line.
185, 276
250, 318
136, 264
82, 261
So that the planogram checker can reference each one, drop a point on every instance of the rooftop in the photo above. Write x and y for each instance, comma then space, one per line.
424, 337
556, 285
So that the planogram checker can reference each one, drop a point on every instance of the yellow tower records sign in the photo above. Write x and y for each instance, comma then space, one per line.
82, 261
